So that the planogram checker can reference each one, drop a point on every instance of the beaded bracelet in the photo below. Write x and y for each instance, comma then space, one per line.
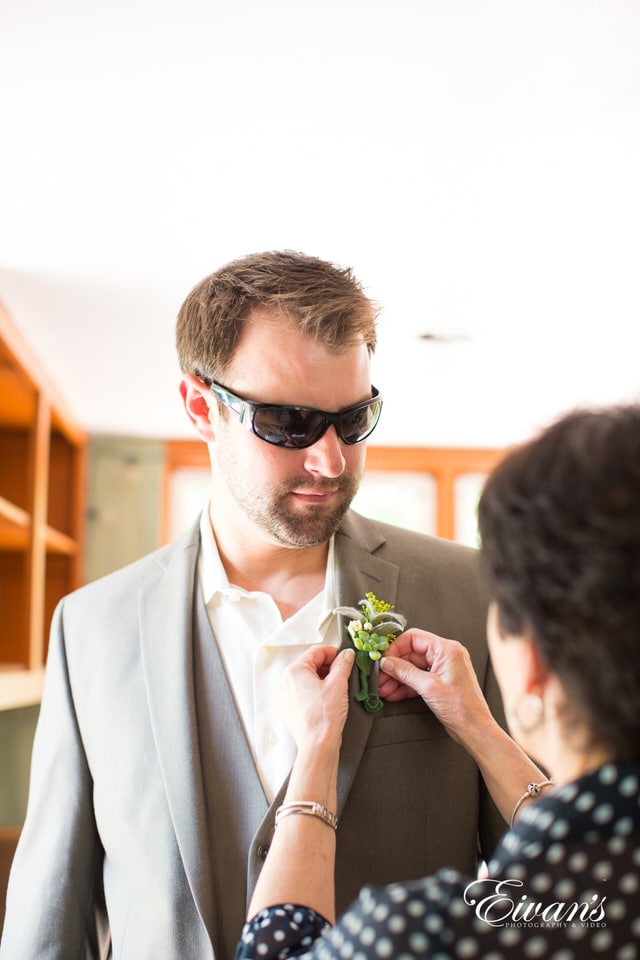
309, 807
533, 789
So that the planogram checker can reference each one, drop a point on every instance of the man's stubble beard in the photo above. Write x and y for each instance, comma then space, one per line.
308, 528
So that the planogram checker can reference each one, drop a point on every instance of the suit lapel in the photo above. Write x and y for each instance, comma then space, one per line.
166, 637
359, 571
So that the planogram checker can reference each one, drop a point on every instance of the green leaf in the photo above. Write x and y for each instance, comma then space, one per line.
350, 612
390, 627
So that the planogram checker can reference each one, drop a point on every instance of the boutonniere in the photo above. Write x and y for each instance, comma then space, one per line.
373, 627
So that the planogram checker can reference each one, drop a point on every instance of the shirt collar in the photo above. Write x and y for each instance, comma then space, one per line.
213, 577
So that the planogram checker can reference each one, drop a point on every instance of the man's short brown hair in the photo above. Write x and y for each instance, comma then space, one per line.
324, 301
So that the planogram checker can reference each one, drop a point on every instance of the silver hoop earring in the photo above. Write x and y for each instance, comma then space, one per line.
527, 713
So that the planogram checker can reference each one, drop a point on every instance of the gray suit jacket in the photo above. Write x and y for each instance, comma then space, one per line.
114, 855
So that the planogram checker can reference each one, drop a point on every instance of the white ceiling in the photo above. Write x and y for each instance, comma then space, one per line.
476, 161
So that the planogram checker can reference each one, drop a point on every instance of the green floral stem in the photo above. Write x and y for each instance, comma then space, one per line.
370, 701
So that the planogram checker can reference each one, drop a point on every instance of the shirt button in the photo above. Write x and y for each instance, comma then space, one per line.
269, 738
263, 850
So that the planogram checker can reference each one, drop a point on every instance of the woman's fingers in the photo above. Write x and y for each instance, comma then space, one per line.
406, 674
315, 691
416, 647
317, 658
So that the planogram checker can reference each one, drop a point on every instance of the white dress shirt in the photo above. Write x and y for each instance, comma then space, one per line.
256, 645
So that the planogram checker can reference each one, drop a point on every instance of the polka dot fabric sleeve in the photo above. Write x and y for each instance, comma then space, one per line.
564, 884
280, 932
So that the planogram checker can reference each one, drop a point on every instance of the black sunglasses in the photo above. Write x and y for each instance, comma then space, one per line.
294, 427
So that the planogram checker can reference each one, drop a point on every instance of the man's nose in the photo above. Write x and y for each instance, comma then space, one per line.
325, 458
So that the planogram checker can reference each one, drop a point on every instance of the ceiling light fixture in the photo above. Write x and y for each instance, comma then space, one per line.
443, 337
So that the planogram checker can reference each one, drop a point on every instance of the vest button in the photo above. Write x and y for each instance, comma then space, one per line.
263, 850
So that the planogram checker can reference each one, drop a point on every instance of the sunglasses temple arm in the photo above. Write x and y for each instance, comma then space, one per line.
241, 408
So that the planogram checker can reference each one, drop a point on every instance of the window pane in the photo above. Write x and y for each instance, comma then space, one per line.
466, 492
404, 499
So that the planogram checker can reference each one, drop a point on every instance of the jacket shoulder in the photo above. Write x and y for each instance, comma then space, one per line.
439, 584
388, 539
141, 571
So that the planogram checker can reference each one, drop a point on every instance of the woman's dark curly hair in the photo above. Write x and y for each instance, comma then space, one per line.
559, 522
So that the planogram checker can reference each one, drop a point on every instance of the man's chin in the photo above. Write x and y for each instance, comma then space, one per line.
309, 527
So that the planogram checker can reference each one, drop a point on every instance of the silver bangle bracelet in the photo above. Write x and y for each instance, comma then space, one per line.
310, 808
533, 789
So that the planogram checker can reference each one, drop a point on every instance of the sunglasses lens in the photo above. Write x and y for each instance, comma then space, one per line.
356, 425
288, 427
297, 428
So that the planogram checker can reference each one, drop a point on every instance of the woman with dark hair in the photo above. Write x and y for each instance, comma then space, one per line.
560, 527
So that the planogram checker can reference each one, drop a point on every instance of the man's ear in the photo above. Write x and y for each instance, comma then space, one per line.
196, 398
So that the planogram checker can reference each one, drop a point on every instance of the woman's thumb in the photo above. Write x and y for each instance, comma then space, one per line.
403, 671
344, 661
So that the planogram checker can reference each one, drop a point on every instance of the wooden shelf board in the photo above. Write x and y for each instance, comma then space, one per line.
15, 524
20, 687
13, 538
14, 515
58, 542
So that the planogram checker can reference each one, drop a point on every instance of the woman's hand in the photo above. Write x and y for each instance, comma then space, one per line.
315, 697
441, 672
314, 703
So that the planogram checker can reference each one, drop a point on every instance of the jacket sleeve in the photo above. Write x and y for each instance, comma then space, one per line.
55, 904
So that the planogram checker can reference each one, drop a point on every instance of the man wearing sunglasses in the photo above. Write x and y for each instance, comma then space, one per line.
160, 758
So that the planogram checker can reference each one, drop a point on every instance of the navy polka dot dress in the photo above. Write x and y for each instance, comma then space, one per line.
564, 884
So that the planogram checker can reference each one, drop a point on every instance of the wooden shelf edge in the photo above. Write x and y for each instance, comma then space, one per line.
20, 688
13, 514
15, 526
58, 542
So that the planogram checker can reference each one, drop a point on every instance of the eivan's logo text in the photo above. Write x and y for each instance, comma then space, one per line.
498, 903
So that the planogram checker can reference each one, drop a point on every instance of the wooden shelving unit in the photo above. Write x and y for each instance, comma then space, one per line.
42, 481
